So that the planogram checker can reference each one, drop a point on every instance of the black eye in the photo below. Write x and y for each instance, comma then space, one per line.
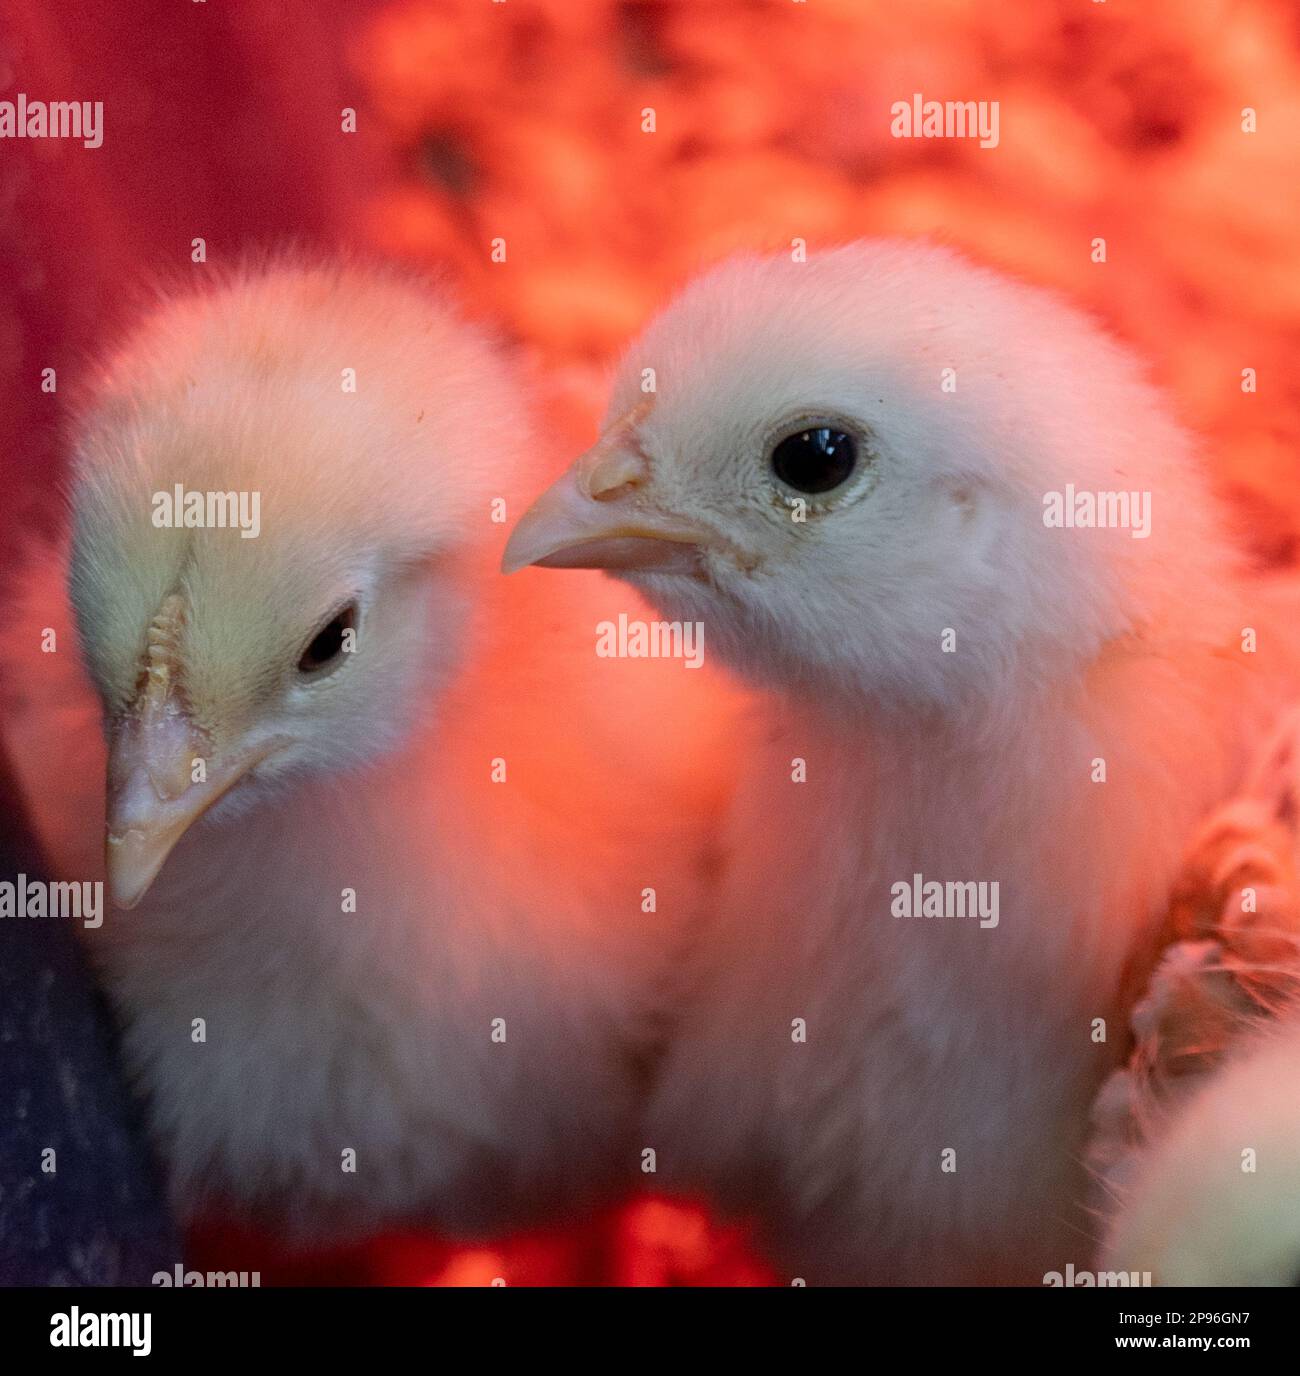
327, 645
815, 460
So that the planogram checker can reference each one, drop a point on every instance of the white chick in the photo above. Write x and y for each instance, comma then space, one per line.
382, 820
845, 472
1215, 1200
1196, 1144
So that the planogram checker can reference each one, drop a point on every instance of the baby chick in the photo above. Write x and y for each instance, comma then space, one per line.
1195, 1140
379, 817
1004, 647
1216, 1197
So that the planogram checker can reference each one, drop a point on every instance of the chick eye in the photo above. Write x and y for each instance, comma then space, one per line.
326, 648
815, 460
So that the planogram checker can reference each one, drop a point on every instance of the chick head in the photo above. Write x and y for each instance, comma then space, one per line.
834, 464
354, 433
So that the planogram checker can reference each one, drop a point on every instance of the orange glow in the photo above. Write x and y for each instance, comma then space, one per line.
647, 1242
523, 121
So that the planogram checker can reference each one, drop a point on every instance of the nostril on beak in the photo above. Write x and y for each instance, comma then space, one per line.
613, 474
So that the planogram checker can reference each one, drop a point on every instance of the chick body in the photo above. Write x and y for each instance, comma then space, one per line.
401, 971
949, 687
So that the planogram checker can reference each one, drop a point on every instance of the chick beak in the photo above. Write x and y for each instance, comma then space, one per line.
153, 796
600, 515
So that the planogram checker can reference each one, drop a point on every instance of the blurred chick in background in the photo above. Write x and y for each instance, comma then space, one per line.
384, 822
1196, 1140
1216, 1199
846, 472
